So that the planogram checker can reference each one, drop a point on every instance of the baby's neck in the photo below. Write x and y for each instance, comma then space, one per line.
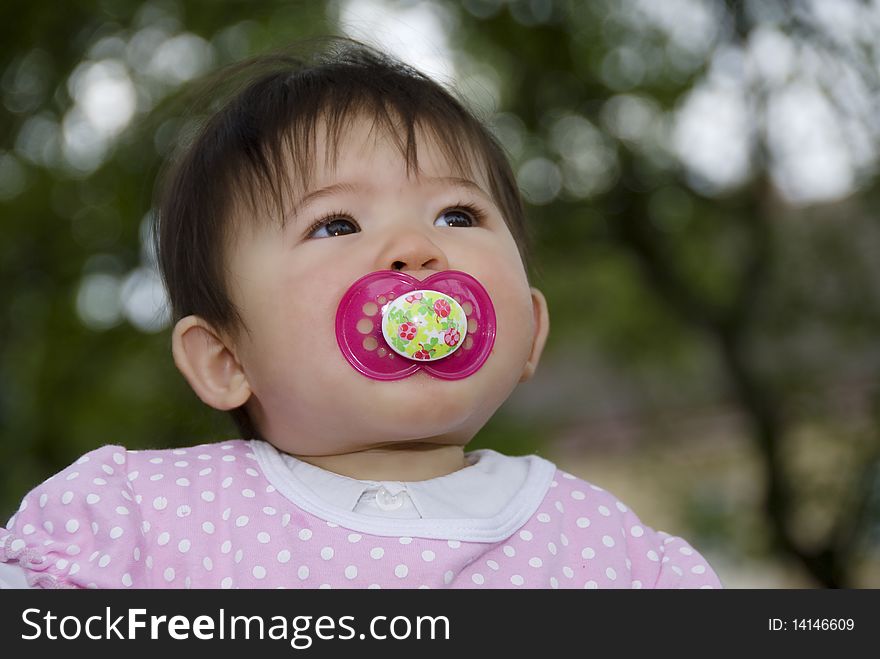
401, 462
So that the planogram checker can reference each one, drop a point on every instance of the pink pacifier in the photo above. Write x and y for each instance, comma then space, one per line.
389, 325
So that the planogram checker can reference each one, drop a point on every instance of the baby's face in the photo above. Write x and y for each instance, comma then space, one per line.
371, 215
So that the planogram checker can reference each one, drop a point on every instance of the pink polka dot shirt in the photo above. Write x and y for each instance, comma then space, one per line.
238, 514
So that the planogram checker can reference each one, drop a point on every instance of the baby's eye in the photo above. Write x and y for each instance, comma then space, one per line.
456, 217
333, 226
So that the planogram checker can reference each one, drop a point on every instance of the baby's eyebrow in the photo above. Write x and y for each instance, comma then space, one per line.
337, 188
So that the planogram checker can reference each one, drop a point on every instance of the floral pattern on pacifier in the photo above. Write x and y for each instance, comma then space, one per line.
390, 325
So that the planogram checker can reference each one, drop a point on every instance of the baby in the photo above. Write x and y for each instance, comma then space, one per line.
344, 251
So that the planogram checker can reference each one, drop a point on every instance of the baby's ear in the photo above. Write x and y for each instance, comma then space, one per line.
542, 327
209, 366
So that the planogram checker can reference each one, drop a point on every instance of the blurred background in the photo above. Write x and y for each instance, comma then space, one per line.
703, 188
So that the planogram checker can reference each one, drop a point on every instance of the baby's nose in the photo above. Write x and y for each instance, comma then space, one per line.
412, 251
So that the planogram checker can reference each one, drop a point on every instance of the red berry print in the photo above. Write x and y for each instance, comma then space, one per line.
452, 337
407, 331
441, 308
422, 354
412, 298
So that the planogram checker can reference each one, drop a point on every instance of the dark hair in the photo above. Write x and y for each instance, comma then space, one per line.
239, 159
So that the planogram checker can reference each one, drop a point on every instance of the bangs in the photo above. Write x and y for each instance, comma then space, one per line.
292, 116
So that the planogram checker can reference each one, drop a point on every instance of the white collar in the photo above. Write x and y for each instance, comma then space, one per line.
485, 501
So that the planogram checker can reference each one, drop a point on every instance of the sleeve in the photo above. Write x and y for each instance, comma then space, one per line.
81, 528
661, 560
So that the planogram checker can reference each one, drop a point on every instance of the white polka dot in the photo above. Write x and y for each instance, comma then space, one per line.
535, 561
248, 493
303, 572
563, 539
428, 556
263, 537
448, 576
43, 499
305, 534
269, 510
49, 526
99, 481
327, 553
354, 537
478, 579
228, 458
226, 547
677, 570
607, 540
698, 569
28, 529
493, 565
604, 511
241, 520
73, 550
517, 580
558, 505
183, 511
526, 535
104, 561
126, 580
283, 556
543, 517
67, 497
405, 540
92, 499
401, 571
160, 503
687, 551
377, 553
226, 583
621, 507
652, 556
637, 531
567, 571
509, 551
325, 586
133, 475
156, 461
204, 456
582, 522
149, 562
226, 482
588, 553
453, 544
164, 538
208, 563
592, 585
115, 532
208, 527
183, 546
554, 582
239, 554
578, 495
157, 477
72, 475
568, 476
205, 471
17, 544
72, 526
551, 547
610, 573
259, 572
181, 463
251, 472
351, 572
285, 519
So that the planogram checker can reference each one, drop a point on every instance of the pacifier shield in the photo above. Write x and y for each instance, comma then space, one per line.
389, 325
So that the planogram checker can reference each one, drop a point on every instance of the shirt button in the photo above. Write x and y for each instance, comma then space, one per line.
387, 501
